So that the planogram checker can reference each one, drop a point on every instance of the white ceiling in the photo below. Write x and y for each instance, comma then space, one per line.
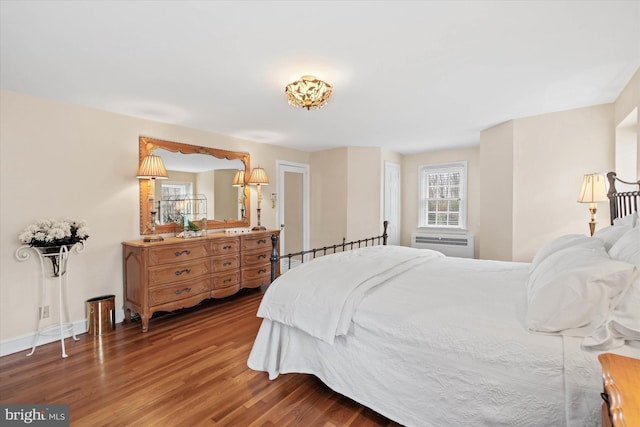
411, 76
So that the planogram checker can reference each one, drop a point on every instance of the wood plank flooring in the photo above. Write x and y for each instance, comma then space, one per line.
190, 369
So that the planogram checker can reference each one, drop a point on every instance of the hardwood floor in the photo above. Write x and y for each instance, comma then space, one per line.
190, 369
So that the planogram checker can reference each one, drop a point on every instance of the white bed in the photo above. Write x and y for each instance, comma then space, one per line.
427, 347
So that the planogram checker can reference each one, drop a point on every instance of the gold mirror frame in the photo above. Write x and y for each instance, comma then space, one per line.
146, 145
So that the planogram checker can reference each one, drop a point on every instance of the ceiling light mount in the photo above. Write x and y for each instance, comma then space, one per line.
308, 92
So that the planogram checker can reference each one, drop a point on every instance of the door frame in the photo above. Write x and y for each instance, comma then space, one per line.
283, 166
394, 235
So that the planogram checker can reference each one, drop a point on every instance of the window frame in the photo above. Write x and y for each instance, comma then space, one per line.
423, 203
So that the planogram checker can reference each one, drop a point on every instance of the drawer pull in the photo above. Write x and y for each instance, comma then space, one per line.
186, 270
262, 270
262, 241
226, 280
226, 247
186, 251
261, 256
226, 263
179, 291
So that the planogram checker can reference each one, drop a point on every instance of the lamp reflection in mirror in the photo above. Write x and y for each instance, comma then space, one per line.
152, 168
238, 181
258, 178
593, 190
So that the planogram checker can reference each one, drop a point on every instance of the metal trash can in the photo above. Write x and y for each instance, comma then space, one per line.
101, 315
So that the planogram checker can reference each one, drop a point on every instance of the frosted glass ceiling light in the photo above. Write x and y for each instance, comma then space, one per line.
308, 92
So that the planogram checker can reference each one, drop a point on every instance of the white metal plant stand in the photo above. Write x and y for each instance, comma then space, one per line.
58, 257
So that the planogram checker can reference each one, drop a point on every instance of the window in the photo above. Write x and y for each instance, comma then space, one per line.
443, 195
170, 192
173, 189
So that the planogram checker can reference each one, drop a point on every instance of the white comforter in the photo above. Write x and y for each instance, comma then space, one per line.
423, 346
321, 297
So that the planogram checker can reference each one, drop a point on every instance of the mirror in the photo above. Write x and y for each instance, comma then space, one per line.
198, 170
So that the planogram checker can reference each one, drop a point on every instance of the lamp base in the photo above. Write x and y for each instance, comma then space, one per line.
592, 223
259, 228
153, 238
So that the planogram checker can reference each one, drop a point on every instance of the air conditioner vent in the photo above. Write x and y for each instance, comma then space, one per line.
450, 245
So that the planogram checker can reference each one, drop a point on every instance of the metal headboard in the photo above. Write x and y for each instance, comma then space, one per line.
624, 203
331, 249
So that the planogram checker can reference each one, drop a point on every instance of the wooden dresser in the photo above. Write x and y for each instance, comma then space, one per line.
177, 273
621, 377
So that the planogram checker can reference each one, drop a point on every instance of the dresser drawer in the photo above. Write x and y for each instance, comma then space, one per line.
225, 292
252, 258
225, 280
177, 291
178, 272
252, 277
251, 242
183, 253
225, 263
225, 246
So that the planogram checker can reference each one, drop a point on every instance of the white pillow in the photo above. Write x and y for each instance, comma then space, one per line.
563, 242
627, 247
631, 219
573, 291
610, 235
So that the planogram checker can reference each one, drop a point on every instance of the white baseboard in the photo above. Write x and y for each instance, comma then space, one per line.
25, 342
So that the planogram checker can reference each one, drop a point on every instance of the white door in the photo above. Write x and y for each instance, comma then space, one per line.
392, 201
293, 207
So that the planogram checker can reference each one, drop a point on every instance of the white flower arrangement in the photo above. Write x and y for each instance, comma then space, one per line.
51, 232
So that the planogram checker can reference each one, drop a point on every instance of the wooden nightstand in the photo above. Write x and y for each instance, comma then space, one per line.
621, 377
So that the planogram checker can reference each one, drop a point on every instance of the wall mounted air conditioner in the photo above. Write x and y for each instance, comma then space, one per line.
455, 245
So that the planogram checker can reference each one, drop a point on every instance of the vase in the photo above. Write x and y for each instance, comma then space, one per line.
57, 256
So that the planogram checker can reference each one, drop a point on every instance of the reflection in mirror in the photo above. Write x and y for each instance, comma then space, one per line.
195, 170
191, 174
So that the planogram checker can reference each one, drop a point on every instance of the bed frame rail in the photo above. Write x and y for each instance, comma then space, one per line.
624, 203
332, 249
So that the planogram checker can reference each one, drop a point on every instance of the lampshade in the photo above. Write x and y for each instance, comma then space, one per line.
308, 92
238, 179
258, 177
594, 189
152, 167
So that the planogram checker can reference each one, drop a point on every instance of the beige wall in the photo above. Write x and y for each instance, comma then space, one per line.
496, 194
61, 160
347, 194
532, 169
552, 153
627, 102
364, 186
410, 166
328, 181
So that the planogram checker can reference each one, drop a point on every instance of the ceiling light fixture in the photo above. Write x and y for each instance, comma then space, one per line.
308, 92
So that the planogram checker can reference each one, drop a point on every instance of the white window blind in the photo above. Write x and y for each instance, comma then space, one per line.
443, 195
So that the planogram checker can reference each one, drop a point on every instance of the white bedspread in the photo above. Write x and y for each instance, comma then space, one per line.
428, 348
320, 297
